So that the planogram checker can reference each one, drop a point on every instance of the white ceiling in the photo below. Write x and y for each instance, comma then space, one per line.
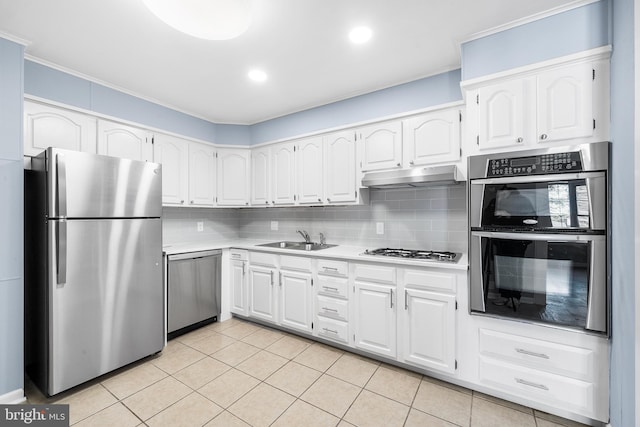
301, 44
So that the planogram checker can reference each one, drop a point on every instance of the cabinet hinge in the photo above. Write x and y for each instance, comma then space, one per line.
460, 115
356, 193
594, 123
477, 139
461, 152
456, 305
153, 140
478, 99
216, 155
311, 325
456, 364
216, 199
311, 282
354, 337
360, 165
593, 75
294, 197
294, 148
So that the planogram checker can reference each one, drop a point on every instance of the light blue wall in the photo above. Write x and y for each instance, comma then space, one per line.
55, 85
623, 353
423, 93
576, 30
233, 134
11, 218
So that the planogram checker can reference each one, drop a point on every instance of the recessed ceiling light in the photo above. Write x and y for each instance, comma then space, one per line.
205, 19
257, 75
360, 35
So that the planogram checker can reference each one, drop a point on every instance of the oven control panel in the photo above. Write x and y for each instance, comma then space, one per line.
535, 165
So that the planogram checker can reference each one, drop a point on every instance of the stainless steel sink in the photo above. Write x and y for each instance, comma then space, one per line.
300, 246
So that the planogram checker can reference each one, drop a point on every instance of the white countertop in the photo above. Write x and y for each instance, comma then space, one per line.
342, 252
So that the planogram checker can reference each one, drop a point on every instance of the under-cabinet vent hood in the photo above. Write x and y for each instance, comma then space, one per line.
414, 177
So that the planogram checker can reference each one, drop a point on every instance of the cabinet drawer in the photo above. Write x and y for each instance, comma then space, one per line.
333, 329
558, 391
430, 279
332, 307
239, 254
295, 263
561, 359
333, 286
375, 273
335, 268
263, 258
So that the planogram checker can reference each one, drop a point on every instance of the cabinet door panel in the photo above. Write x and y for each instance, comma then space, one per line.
432, 137
310, 171
47, 126
565, 103
238, 287
172, 154
295, 294
260, 177
262, 293
375, 319
381, 146
233, 177
126, 142
429, 330
501, 113
283, 173
340, 167
202, 175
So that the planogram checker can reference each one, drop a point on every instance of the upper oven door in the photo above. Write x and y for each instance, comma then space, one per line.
569, 201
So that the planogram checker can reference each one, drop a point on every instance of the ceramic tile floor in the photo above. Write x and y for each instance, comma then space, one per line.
236, 373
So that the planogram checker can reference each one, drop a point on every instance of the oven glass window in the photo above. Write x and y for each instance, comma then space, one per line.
540, 281
537, 205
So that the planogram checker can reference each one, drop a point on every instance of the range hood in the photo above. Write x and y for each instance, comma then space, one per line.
415, 177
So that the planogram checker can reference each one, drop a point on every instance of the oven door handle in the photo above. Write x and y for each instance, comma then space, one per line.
563, 237
537, 178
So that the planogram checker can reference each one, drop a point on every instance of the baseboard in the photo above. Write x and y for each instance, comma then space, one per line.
13, 397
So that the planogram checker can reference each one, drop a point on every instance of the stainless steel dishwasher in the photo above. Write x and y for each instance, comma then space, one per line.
193, 294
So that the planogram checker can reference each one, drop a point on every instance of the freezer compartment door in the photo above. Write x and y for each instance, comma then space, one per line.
82, 185
106, 297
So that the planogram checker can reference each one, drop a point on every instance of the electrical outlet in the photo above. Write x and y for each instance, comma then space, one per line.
379, 227
274, 225
200, 225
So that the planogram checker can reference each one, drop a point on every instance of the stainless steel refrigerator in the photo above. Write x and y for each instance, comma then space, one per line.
94, 293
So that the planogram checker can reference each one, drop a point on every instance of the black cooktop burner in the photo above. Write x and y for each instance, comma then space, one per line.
415, 254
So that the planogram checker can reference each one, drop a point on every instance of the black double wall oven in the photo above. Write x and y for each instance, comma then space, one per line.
538, 236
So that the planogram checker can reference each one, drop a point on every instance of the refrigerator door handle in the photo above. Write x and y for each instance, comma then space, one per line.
61, 252
61, 177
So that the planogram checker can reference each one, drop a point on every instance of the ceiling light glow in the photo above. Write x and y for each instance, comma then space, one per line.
205, 19
360, 35
257, 75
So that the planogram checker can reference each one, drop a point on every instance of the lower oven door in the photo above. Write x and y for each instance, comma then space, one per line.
559, 279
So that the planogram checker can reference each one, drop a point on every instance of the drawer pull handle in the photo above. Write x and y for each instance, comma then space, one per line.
329, 288
531, 353
530, 384
330, 330
330, 269
330, 309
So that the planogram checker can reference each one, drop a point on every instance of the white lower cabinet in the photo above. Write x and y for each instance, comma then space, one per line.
295, 299
428, 327
262, 304
238, 277
375, 309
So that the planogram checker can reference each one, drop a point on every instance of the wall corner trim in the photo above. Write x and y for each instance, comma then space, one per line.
13, 397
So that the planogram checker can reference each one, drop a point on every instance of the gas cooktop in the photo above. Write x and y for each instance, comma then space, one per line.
419, 255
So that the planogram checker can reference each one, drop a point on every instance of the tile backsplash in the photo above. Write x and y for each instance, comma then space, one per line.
424, 218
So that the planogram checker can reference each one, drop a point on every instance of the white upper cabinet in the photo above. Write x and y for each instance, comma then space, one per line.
283, 173
432, 137
340, 167
380, 146
233, 177
260, 177
310, 168
504, 113
46, 126
202, 175
565, 107
126, 142
173, 154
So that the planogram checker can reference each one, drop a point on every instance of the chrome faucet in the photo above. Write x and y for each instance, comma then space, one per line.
323, 240
305, 235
